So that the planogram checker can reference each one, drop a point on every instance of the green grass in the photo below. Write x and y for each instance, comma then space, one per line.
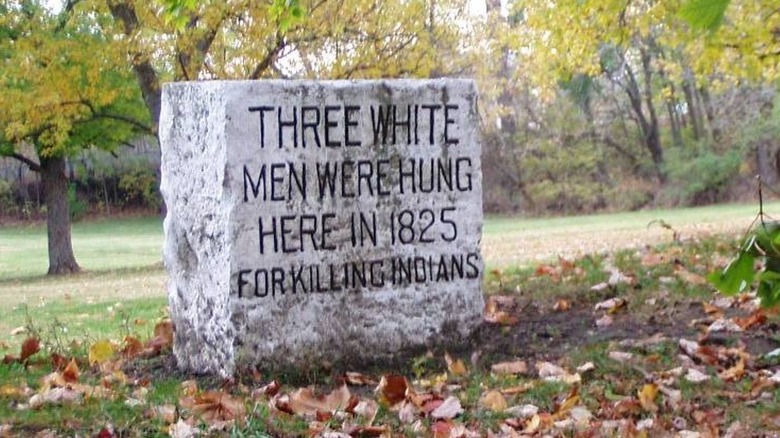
59, 322
100, 245
510, 241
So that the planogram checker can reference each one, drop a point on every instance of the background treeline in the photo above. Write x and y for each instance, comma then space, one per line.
587, 105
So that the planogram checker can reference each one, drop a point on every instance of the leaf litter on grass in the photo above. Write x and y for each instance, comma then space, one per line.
670, 362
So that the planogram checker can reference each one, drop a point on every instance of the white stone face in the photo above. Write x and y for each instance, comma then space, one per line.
312, 221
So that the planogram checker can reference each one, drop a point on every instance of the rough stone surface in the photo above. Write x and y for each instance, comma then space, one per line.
312, 221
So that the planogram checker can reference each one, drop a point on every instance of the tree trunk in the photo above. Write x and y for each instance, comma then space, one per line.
689, 90
55, 187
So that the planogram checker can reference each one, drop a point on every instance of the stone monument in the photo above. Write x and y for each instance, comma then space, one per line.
320, 220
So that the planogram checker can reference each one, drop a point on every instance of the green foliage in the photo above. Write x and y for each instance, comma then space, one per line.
704, 14
699, 175
762, 243
77, 206
140, 186
287, 13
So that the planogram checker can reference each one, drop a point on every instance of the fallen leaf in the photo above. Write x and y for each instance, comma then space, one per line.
604, 321
689, 277
58, 361
391, 389
18, 331
71, 372
562, 305
358, 379
408, 413
132, 348
493, 401
189, 388
734, 373
724, 325
756, 318
524, 411
268, 390
580, 414
514, 367
30, 346
498, 310
547, 369
519, 389
449, 409
166, 413
689, 347
711, 309
304, 401
568, 403
553, 373
163, 337
695, 376
647, 397
367, 411
620, 356
611, 305
653, 259
182, 430
215, 406
587, 366
55, 396
441, 429
455, 366
101, 352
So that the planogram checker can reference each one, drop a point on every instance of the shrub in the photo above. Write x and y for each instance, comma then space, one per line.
140, 186
699, 175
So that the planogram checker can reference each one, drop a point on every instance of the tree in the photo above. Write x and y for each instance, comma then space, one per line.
60, 93
280, 39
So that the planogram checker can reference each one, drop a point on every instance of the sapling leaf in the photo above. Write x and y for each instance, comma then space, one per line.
736, 276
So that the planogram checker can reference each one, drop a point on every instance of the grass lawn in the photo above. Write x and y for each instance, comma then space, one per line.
631, 379
99, 245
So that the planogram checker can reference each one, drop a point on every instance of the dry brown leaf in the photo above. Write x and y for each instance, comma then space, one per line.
30, 346
611, 305
498, 310
711, 309
391, 389
189, 388
734, 373
756, 318
268, 390
71, 372
182, 430
513, 367
441, 429
58, 361
647, 397
689, 277
166, 413
653, 259
448, 409
562, 305
568, 403
56, 396
217, 406
366, 410
455, 366
132, 347
493, 401
358, 379
305, 402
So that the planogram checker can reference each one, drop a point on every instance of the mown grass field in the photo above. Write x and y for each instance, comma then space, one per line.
122, 259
